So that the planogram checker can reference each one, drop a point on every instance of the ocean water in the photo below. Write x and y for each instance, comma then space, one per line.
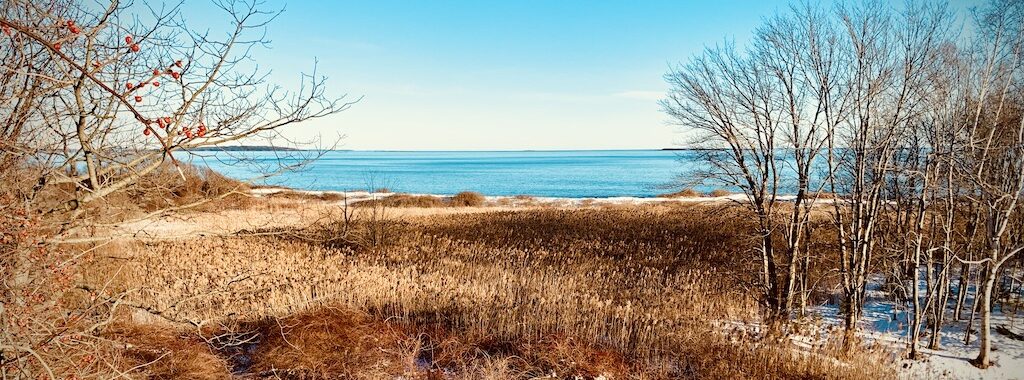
573, 174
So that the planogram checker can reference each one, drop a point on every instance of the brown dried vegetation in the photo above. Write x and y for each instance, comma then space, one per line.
684, 193
625, 292
463, 199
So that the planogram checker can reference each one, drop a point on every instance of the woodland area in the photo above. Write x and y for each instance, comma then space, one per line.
906, 127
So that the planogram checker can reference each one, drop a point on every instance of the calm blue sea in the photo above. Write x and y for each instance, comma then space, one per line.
576, 174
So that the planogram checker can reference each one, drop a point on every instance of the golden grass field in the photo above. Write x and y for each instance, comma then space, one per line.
285, 288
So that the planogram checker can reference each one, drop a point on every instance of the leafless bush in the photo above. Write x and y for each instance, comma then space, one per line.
684, 193
467, 199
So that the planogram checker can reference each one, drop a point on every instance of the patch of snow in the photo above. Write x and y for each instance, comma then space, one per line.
885, 322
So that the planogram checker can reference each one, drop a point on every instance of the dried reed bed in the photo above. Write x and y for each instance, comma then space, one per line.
684, 193
462, 199
627, 291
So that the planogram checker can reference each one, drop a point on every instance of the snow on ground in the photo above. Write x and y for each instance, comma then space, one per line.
885, 322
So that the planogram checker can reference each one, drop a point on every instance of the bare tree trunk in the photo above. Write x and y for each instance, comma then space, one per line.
985, 305
939, 307
915, 322
975, 306
805, 270
774, 300
961, 296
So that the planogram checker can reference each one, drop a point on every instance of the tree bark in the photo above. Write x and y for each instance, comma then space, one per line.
985, 307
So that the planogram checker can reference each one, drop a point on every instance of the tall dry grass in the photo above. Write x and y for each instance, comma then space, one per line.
631, 292
462, 199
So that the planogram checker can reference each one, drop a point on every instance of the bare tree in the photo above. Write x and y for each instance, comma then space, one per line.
887, 55
727, 98
994, 162
761, 117
95, 99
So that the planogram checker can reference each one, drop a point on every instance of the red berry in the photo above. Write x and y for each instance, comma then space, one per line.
156, 72
145, 131
73, 29
138, 98
127, 39
167, 119
56, 46
135, 48
71, 23
175, 75
156, 84
177, 63
129, 85
202, 132
160, 122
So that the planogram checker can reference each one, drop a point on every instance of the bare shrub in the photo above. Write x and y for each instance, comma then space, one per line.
684, 193
467, 199
160, 352
463, 199
168, 187
404, 200
719, 193
326, 196
327, 344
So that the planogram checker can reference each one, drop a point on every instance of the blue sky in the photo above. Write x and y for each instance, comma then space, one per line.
489, 75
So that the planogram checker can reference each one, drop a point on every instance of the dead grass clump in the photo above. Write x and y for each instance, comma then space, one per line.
517, 200
719, 193
463, 199
474, 356
467, 199
168, 187
193, 188
404, 200
684, 193
330, 196
326, 196
328, 343
821, 195
164, 353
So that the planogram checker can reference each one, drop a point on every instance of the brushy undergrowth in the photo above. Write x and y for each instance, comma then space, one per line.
462, 199
181, 187
625, 292
684, 193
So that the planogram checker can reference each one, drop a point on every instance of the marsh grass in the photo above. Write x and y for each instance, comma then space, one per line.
629, 292
462, 199
719, 193
326, 196
684, 193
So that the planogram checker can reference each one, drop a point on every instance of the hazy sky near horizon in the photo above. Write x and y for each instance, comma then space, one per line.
490, 75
